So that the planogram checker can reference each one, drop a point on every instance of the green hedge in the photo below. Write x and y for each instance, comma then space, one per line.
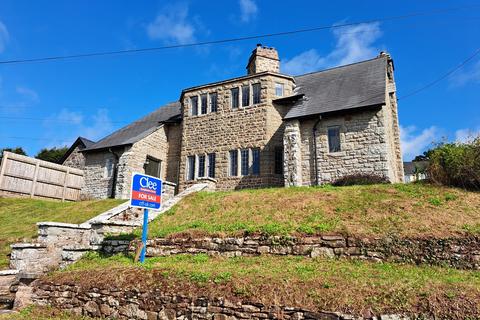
456, 164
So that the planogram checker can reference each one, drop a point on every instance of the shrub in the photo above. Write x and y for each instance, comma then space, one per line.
360, 179
456, 164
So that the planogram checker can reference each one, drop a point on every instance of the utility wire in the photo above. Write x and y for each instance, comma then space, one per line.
266, 35
442, 77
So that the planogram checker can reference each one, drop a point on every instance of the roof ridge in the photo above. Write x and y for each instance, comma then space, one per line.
337, 67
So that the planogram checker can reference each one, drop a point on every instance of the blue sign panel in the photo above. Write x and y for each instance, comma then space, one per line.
146, 192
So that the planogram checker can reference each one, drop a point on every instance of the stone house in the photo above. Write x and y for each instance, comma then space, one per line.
260, 130
74, 157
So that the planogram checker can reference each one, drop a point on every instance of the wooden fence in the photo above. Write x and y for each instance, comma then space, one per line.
25, 176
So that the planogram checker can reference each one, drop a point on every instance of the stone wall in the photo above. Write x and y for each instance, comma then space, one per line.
76, 159
461, 253
155, 304
131, 159
97, 183
363, 147
254, 126
154, 145
8, 287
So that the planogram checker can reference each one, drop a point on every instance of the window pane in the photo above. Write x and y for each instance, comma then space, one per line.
211, 165
194, 103
233, 163
256, 93
108, 168
191, 168
203, 100
256, 161
245, 96
213, 102
334, 139
201, 166
278, 160
244, 162
152, 167
279, 89
235, 97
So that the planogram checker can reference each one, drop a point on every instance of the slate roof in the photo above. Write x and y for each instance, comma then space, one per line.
342, 88
81, 142
409, 167
139, 129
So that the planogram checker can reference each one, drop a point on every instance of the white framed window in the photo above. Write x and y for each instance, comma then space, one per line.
203, 104
194, 105
211, 165
244, 161
235, 98
201, 165
213, 101
245, 96
279, 89
191, 168
257, 90
233, 165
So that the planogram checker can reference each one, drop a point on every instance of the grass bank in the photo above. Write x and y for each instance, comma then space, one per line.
354, 287
374, 210
18, 217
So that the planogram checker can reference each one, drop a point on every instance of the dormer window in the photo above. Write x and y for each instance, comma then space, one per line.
194, 105
245, 96
256, 93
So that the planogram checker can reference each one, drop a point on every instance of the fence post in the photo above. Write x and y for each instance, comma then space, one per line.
34, 181
65, 184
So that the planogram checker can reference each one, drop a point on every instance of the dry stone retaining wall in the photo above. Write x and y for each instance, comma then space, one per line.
463, 253
154, 304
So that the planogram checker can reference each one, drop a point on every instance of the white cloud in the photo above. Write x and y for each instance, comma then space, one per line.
466, 75
4, 36
27, 93
173, 25
353, 44
466, 135
414, 142
68, 125
248, 10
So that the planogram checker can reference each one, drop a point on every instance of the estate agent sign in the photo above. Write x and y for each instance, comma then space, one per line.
146, 193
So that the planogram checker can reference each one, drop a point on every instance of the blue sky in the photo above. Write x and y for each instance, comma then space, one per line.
92, 97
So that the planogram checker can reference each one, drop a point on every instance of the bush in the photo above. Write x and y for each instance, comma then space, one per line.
360, 179
456, 164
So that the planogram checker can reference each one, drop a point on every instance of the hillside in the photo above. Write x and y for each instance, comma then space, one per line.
375, 210
18, 217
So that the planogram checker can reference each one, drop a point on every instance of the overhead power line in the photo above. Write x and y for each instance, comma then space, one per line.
202, 43
442, 77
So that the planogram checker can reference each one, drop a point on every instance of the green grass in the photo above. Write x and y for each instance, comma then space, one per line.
319, 284
375, 210
18, 217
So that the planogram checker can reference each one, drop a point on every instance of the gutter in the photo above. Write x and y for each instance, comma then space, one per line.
314, 130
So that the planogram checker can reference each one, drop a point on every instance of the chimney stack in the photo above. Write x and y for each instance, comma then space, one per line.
263, 59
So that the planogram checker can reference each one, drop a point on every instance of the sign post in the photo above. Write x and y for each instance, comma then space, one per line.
146, 193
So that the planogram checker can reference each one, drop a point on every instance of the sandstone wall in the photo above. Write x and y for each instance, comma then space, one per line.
97, 184
363, 147
255, 126
155, 304
76, 159
463, 253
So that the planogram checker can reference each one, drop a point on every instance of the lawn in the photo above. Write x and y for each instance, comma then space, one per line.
374, 210
18, 217
355, 287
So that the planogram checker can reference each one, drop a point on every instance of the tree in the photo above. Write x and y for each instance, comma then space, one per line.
53, 155
425, 156
17, 150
